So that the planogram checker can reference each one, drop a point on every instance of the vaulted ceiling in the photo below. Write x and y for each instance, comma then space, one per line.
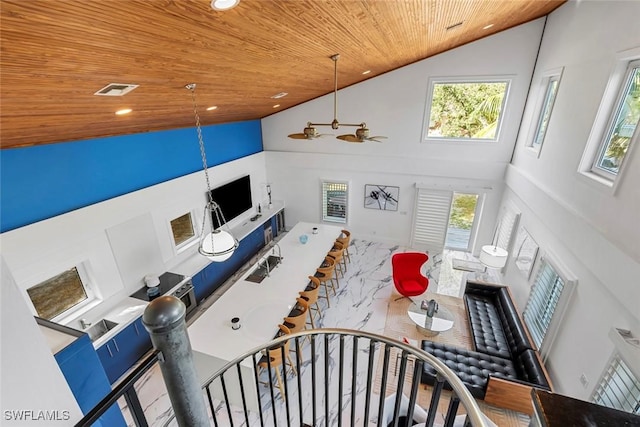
55, 54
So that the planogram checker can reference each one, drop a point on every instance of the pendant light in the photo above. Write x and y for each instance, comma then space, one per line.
217, 245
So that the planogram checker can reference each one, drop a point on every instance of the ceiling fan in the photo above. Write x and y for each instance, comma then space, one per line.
310, 132
362, 133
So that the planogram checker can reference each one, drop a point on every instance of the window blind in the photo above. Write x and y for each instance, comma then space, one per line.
618, 388
431, 219
543, 301
334, 201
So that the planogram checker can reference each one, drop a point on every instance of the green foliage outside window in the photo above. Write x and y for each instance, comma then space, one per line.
463, 209
466, 110
624, 127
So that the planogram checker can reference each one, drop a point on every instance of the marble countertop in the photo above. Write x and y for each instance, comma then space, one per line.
262, 306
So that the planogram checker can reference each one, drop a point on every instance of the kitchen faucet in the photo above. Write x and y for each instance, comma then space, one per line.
276, 245
84, 323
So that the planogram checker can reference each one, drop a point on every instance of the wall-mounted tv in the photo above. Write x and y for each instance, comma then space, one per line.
233, 197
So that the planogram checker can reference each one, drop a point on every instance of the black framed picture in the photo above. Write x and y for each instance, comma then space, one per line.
381, 197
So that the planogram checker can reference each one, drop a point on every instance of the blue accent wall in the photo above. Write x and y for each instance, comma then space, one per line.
47, 180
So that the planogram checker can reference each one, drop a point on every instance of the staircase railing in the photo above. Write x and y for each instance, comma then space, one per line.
342, 377
126, 389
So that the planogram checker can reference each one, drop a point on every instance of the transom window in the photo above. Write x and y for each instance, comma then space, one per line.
470, 109
622, 125
614, 132
334, 201
551, 82
59, 294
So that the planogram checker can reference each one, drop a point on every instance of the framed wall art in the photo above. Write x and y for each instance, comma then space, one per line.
526, 250
381, 197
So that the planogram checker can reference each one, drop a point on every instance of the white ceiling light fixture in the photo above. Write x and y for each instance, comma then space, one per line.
217, 245
222, 5
362, 133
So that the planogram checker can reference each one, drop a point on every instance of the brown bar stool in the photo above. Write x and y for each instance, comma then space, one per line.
297, 320
311, 296
337, 253
326, 276
345, 239
275, 359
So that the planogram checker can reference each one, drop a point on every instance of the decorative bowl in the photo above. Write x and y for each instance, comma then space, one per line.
303, 238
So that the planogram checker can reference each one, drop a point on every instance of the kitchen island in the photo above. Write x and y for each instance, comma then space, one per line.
259, 306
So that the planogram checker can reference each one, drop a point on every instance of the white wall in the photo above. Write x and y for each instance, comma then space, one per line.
393, 105
82, 235
592, 232
31, 379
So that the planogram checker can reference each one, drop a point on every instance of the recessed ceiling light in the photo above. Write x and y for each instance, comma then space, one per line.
366, 72
279, 95
276, 106
123, 111
486, 27
213, 107
224, 4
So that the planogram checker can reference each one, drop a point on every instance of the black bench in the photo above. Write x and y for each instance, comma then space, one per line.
504, 363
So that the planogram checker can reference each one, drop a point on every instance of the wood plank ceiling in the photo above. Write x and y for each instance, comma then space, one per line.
55, 54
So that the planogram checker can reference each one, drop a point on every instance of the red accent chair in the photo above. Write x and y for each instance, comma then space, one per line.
407, 277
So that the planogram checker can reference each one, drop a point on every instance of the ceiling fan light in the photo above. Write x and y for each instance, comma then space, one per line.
224, 4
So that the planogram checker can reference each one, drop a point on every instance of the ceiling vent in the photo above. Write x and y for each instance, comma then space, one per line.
116, 89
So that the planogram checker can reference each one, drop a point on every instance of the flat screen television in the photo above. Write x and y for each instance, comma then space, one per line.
233, 197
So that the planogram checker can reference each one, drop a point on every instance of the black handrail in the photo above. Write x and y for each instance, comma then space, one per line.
328, 346
124, 388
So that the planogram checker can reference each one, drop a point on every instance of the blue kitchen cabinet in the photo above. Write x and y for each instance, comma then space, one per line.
121, 352
207, 280
200, 287
274, 225
86, 377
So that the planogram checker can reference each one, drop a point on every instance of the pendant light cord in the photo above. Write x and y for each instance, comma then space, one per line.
203, 155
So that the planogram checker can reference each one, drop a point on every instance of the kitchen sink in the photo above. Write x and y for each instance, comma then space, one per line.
264, 268
100, 328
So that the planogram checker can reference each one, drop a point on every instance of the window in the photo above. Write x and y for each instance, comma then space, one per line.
59, 294
548, 296
469, 109
182, 229
613, 133
618, 388
461, 221
334, 201
551, 81
622, 126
